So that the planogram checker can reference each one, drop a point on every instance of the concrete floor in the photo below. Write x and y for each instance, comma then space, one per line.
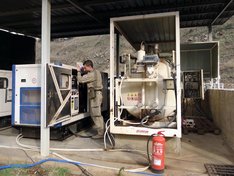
196, 150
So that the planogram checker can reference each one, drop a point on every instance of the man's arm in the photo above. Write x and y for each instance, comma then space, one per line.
89, 77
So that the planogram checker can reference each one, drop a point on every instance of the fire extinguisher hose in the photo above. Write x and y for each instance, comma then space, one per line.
148, 155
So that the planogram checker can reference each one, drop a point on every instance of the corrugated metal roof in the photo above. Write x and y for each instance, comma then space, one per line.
151, 31
91, 17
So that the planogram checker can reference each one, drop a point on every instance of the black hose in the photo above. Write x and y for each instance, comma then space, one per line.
78, 135
148, 116
149, 160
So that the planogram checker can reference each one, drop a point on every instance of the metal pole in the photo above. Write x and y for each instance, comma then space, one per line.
112, 44
178, 70
117, 55
45, 53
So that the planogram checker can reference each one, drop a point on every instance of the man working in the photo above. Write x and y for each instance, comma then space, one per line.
94, 83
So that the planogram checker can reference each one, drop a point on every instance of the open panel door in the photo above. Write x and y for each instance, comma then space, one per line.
59, 89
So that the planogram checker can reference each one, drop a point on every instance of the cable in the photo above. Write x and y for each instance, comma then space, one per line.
147, 149
109, 135
84, 171
26, 166
25, 146
37, 171
77, 134
5, 128
85, 150
120, 171
140, 170
35, 148
166, 126
54, 149
100, 166
24, 150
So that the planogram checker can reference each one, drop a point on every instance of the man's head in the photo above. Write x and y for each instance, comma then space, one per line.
88, 66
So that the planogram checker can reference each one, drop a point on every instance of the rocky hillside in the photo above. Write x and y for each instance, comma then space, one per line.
225, 35
72, 50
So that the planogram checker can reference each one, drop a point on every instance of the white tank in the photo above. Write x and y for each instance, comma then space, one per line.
140, 55
140, 95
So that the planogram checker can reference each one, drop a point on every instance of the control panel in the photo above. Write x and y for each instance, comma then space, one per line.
193, 84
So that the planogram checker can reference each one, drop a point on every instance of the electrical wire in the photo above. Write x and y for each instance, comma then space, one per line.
37, 171
108, 135
166, 126
77, 134
100, 166
24, 150
35, 148
26, 166
132, 123
84, 171
5, 128
115, 150
20, 136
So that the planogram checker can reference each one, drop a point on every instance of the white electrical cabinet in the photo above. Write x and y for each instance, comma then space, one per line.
5, 92
26, 95
62, 105
145, 86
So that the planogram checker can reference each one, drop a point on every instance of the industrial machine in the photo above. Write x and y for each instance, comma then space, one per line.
66, 100
6, 97
200, 72
145, 87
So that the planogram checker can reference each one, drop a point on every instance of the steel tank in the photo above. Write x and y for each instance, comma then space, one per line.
148, 91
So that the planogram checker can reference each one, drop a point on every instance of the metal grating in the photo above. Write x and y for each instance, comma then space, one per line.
219, 170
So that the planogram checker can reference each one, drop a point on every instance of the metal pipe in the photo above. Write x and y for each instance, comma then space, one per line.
220, 13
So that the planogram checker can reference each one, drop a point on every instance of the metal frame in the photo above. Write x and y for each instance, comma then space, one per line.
131, 130
45, 59
219, 85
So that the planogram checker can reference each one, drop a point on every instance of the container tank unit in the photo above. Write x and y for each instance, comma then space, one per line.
144, 86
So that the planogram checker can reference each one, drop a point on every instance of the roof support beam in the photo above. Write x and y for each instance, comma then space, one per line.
26, 17
85, 3
114, 13
45, 59
75, 4
196, 16
220, 13
56, 7
33, 10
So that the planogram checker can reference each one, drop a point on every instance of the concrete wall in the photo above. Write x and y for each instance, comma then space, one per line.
222, 109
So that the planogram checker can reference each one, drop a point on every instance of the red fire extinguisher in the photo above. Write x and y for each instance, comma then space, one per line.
158, 153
